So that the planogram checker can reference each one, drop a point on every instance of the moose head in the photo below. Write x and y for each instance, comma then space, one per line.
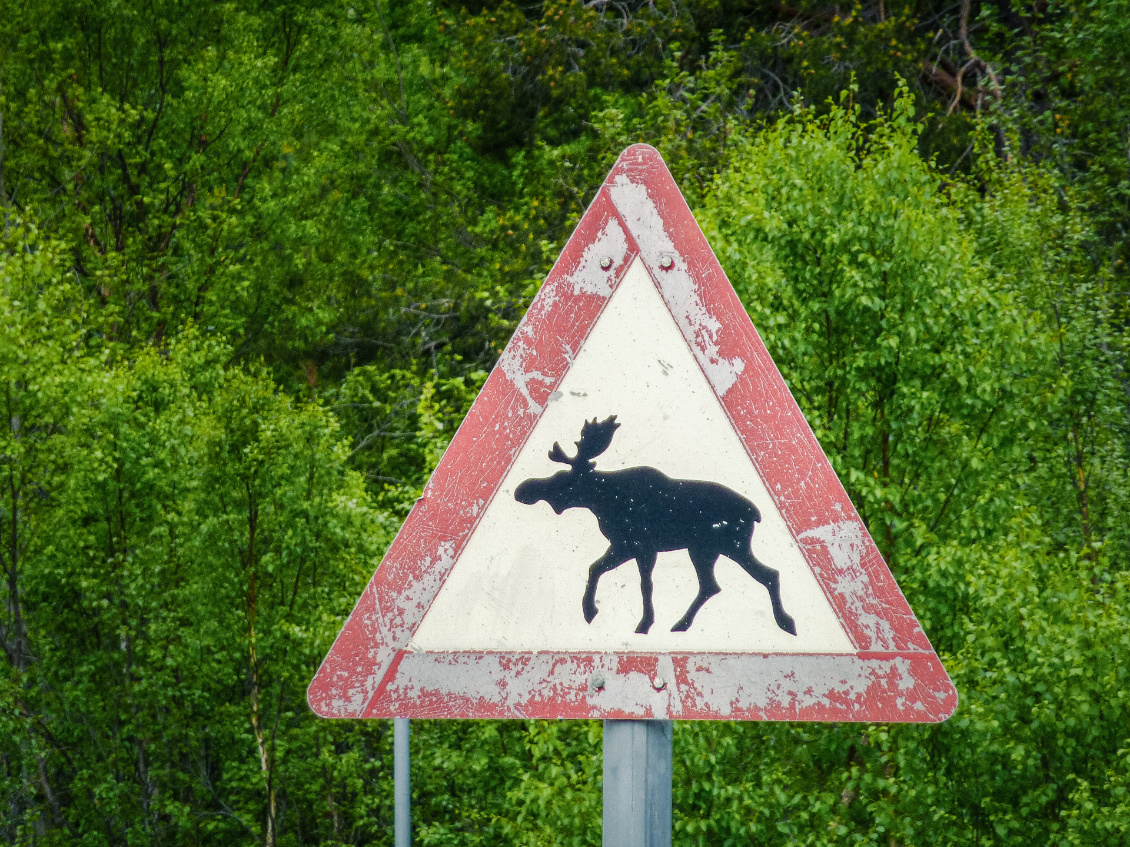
565, 489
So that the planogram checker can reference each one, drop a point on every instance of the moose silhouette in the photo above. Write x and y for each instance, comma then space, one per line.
643, 512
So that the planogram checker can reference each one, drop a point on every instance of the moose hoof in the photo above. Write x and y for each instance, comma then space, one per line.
786, 623
590, 611
643, 627
681, 626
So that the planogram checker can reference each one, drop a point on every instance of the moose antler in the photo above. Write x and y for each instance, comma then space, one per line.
595, 438
558, 455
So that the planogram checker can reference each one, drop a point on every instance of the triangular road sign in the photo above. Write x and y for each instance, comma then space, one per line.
695, 489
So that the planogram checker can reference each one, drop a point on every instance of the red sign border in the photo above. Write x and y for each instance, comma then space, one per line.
374, 670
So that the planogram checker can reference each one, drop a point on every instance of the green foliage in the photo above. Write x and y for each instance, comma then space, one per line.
178, 536
402, 426
908, 351
506, 782
256, 260
1075, 111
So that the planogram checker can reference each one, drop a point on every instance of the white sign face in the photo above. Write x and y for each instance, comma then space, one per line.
518, 584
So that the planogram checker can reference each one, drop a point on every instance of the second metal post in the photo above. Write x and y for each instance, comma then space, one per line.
402, 784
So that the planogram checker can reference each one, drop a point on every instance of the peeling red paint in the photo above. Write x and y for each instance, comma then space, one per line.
374, 669
875, 687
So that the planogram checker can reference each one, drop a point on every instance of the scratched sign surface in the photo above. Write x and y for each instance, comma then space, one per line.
635, 520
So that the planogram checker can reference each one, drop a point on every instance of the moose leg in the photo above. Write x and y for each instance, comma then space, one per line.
646, 563
703, 561
611, 559
771, 579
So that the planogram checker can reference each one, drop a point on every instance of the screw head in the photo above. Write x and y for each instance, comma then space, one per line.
666, 263
659, 683
606, 262
597, 682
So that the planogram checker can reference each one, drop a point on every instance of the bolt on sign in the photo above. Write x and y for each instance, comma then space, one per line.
688, 553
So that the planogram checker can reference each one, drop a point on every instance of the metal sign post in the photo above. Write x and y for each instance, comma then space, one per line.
402, 783
637, 784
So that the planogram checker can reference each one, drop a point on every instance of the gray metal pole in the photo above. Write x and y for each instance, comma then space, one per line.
637, 784
402, 784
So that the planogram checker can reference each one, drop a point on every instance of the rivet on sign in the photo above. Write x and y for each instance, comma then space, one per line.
597, 682
659, 683
666, 263
606, 262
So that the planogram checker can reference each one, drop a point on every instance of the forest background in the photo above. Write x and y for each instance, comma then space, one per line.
257, 258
